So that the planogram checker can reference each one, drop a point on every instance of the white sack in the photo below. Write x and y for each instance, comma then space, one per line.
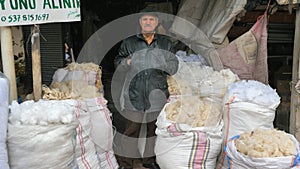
4, 97
94, 135
36, 146
62, 75
108, 160
179, 146
241, 161
247, 105
42, 135
243, 116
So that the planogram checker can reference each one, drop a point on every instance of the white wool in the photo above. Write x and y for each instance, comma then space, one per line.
184, 57
42, 112
254, 92
194, 78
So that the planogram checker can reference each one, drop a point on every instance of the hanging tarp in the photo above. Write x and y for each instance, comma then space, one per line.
213, 17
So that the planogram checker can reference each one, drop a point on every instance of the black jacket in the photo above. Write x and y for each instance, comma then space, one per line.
145, 87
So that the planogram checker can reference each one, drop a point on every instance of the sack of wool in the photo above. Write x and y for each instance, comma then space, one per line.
4, 97
247, 105
42, 135
76, 81
181, 146
264, 149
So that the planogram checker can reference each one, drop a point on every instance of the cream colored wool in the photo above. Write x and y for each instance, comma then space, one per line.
263, 143
194, 111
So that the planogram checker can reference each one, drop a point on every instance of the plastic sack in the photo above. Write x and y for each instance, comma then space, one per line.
4, 97
94, 135
238, 160
36, 146
247, 55
180, 146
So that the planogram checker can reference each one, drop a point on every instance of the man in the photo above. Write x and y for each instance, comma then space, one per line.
147, 60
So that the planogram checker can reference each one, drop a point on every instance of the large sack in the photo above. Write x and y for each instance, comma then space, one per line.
42, 135
247, 55
39, 146
94, 135
247, 105
180, 146
241, 161
89, 72
76, 81
4, 96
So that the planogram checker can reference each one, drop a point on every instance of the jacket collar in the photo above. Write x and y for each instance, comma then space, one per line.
140, 36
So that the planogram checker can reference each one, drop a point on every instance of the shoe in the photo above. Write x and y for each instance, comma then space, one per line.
152, 166
120, 167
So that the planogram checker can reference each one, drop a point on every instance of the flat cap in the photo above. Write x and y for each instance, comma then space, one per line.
148, 11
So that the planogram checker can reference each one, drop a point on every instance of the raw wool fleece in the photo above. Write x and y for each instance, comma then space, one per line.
50, 144
4, 96
192, 78
76, 81
238, 160
194, 111
180, 146
94, 135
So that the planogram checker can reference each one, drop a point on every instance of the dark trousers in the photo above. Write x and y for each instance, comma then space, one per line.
129, 139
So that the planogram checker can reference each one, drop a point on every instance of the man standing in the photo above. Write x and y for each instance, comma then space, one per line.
147, 60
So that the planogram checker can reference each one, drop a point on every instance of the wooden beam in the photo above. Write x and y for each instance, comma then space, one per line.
8, 61
36, 64
295, 97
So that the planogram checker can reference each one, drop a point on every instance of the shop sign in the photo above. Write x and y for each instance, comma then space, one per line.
28, 12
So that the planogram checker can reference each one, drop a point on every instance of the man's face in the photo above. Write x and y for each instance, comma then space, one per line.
148, 23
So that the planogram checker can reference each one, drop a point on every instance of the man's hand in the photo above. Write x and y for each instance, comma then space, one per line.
128, 61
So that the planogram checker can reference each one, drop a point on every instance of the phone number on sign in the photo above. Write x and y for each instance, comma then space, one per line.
28, 17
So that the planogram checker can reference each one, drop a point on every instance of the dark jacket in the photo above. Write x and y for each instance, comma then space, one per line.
145, 87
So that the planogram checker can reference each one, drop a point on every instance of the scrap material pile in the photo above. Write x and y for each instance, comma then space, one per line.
69, 128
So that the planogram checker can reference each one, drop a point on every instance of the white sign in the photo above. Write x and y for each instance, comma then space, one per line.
28, 12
